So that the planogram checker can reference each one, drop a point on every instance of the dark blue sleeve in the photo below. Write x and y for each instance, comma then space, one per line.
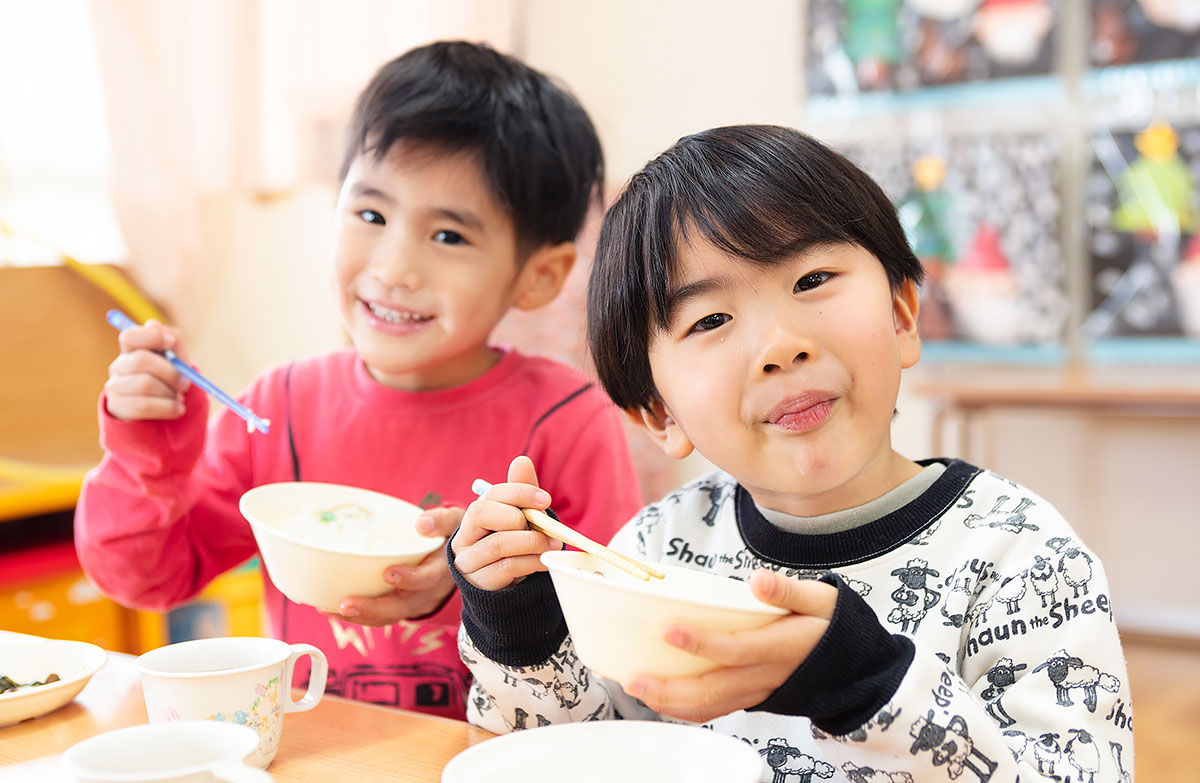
853, 671
521, 625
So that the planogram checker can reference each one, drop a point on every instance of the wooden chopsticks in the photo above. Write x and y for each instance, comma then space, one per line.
548, 525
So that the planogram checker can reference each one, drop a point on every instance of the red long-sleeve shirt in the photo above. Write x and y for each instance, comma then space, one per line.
157, 520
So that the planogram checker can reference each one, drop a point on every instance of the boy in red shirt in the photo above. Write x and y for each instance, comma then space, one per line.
467, 177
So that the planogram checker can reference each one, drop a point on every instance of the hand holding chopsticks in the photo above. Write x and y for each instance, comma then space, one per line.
119, 321
548, 525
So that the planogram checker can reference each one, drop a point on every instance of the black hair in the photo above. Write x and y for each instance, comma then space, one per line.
536, 145
762, 193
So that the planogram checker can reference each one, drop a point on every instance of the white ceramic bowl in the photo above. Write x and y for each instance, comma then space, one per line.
606, 751
36, 659
180, 752
617, 621
322, 573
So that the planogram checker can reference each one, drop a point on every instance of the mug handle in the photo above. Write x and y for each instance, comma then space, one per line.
316, 679
238, 772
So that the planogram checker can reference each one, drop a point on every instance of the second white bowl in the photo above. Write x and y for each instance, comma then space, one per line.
617, 621
343, 562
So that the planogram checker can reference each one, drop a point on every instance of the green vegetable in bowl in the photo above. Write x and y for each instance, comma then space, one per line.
8, 684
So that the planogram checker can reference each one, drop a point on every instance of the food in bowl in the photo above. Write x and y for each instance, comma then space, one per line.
345, 526
321, 542
27, 661
9, 684
617, 621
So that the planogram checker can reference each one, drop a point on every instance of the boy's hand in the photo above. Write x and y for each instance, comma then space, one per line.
494, 547
754, 663
419, 590
142, 384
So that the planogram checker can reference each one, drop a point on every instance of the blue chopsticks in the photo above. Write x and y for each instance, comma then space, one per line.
121, 322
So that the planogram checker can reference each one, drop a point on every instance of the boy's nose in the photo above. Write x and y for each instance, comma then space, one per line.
395, 266
784, 346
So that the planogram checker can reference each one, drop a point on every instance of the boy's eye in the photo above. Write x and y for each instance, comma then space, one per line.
810, 281
448, 237
710, 322
371, 216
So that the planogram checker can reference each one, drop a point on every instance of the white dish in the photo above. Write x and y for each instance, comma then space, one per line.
606, 751
33, 661
322, 573
617, 621
179, 752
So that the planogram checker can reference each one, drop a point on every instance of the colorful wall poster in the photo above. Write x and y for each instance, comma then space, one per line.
1141, 213
982, 211
1139, 31
872, 45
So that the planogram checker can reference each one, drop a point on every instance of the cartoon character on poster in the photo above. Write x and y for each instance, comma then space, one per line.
1135, 31
1153, 216
983, 291
871, 39
1012, 31
925, 215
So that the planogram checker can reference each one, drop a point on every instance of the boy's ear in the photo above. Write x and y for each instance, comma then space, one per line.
543, 275
905, 308
662, 428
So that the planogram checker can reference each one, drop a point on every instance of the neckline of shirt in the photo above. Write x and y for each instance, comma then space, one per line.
864, 542
403, 400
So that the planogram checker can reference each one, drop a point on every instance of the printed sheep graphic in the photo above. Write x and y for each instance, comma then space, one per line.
1011, 591
717, 495
1018, 743
521, 718
1044, 579
1012, 521
913, 597
958, 603
785, 760
1067, 672
957, 608
1047, 753
1074, 564
1083, 754
999, 677
856, 774
950, 745
1115, 747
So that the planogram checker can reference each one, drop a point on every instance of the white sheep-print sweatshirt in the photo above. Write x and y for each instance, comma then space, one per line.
973, 640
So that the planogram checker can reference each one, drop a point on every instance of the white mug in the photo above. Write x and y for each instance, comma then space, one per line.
182, 752
244, 680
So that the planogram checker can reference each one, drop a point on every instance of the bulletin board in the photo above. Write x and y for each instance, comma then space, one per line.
1043, 157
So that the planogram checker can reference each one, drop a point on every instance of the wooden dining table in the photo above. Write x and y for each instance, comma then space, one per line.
338, 740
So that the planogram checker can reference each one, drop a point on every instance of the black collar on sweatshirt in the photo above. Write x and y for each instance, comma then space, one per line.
859, 544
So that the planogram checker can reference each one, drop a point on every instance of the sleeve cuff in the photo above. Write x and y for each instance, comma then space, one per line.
521, 625
852, 673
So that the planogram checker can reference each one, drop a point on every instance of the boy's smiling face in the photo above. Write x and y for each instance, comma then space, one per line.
786, 375
425, 266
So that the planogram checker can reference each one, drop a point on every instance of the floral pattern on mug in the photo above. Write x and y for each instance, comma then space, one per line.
262, 715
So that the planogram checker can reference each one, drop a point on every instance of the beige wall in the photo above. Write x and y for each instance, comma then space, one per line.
650, 71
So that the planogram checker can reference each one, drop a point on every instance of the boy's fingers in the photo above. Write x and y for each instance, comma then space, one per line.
435, 522
499, 547
486, 517
429, 573
802, 596
521, 471
695, 699
503, 573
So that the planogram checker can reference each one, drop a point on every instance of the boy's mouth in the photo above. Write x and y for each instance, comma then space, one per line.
396, 316
802, 413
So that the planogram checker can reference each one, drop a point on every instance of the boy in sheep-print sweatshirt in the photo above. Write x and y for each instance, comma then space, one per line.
947, 624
